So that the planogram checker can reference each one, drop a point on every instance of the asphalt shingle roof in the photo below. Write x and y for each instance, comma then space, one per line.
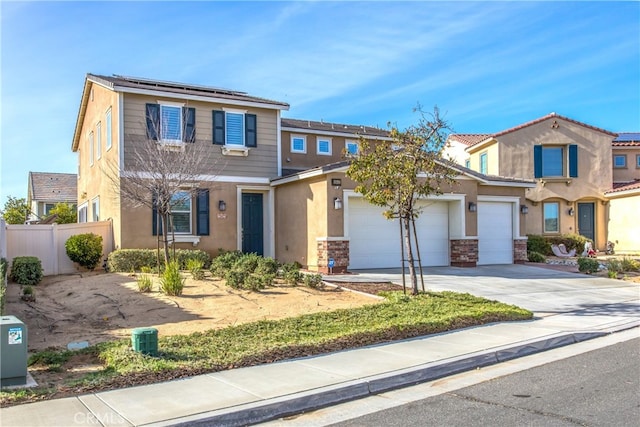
334, 127
48, 186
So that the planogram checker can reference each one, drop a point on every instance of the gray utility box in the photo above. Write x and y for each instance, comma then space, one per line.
13, 351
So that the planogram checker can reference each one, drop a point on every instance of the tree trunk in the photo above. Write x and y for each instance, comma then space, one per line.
165, 235
406, 221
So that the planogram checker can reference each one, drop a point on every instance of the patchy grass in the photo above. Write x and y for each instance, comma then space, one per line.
268, 341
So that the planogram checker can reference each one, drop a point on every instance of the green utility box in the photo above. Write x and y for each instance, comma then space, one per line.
145, 341
13, 351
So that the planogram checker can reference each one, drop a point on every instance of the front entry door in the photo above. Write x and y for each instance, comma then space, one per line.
586, 225
252, 228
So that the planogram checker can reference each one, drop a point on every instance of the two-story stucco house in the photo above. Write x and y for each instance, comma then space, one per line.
573, 165
234, 208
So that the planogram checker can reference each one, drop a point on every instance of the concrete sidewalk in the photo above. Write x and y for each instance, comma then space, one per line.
251, 395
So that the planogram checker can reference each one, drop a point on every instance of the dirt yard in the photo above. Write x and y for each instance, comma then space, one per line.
97, 307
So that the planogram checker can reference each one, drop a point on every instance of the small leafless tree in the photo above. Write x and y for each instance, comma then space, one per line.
158, 174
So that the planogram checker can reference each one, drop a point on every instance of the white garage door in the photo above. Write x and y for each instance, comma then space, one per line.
374, 241
495, 233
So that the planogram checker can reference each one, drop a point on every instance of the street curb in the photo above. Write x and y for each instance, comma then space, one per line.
306, 401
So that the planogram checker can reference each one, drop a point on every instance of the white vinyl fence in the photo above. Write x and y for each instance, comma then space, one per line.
47, 243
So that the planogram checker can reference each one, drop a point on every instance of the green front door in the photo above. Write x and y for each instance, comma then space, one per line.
252, 228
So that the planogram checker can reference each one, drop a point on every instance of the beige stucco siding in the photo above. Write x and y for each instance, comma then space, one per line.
632, 170
624, 227
260, 162
493, 158
311, 159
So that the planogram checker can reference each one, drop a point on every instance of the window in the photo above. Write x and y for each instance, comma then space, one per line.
298, 144
551, 161
95, 209
173, 123
467, 164
351, 147
236, 129
47, 208
551, 218
182, 212
324, 146
108, 128
620, 161
82, 213
91, 148
483, 163
638, 160
99, 140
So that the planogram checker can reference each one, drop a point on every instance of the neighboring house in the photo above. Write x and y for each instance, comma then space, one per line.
46, 189
234, 208
308, 144
572, 164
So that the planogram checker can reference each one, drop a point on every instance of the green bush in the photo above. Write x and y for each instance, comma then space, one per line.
290, 273
539, 244
224, 262
588, 265
3, 283
235, 278
171, 282
629, 264
570, 241
26, 270
195, 267
313, 281
614, 266
85, 249
144, 280
127, 260
267, 266
612, 274
536, 257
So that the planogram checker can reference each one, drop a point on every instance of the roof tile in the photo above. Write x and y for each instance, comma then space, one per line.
58, 187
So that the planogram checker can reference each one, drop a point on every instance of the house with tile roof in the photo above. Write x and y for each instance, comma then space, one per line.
577, 169
46, 189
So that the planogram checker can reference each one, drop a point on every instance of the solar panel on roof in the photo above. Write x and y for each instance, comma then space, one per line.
141, 80
628, 137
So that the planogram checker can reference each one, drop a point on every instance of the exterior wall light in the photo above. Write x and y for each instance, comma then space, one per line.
524, 209
570, 212
337, 203
473, 207
222, 206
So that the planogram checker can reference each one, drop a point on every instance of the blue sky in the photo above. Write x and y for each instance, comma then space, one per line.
487, 65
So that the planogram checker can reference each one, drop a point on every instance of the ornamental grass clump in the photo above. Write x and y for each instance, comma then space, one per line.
171, 282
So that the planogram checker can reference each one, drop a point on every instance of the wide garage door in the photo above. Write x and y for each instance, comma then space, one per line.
374, 241
495, 233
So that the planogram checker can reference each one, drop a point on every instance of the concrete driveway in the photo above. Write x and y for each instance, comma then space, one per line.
543, 291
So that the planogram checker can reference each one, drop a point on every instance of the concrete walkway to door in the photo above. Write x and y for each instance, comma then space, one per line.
543, 291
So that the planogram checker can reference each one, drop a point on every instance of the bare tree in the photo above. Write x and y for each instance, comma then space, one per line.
161, 175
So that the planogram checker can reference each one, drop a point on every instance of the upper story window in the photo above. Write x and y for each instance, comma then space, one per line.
467, 164
91, 148
171, 123
324, 146
351, 147
298, 144
95, 209
99, 140
551, 217
484, 166
235, 128
620, 161
638, 160
107, 120
552, 161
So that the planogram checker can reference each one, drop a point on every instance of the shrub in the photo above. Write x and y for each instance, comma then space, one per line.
27, 290
629, 264
183, 256
85, 249
127, 260
235, 278
26, 270
570, 241
612, 274
539, 244
195, 265
536, 257
291, 273
614, 266
224, 262
144, 280
255, 282
313, 281
267, 265
588, 265
171, 282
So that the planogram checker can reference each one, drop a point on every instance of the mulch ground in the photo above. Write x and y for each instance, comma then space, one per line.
373, 288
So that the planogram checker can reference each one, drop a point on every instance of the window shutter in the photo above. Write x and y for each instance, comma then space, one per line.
153, 121
202, 213
250, 124
218, 127
537, 161
155, 218
189, 124
573, 161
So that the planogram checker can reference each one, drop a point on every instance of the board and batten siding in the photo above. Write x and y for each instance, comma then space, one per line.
261, 161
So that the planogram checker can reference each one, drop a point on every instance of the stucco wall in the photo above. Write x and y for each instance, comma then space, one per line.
632, 170
493, 158
624, 227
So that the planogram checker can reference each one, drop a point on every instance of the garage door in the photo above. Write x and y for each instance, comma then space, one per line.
495, 233
374, 241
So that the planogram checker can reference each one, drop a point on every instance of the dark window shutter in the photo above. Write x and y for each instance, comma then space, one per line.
573, 161
218, 127
153, 121
189, 124
251, 136
155, 219
202, 213
537, 161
